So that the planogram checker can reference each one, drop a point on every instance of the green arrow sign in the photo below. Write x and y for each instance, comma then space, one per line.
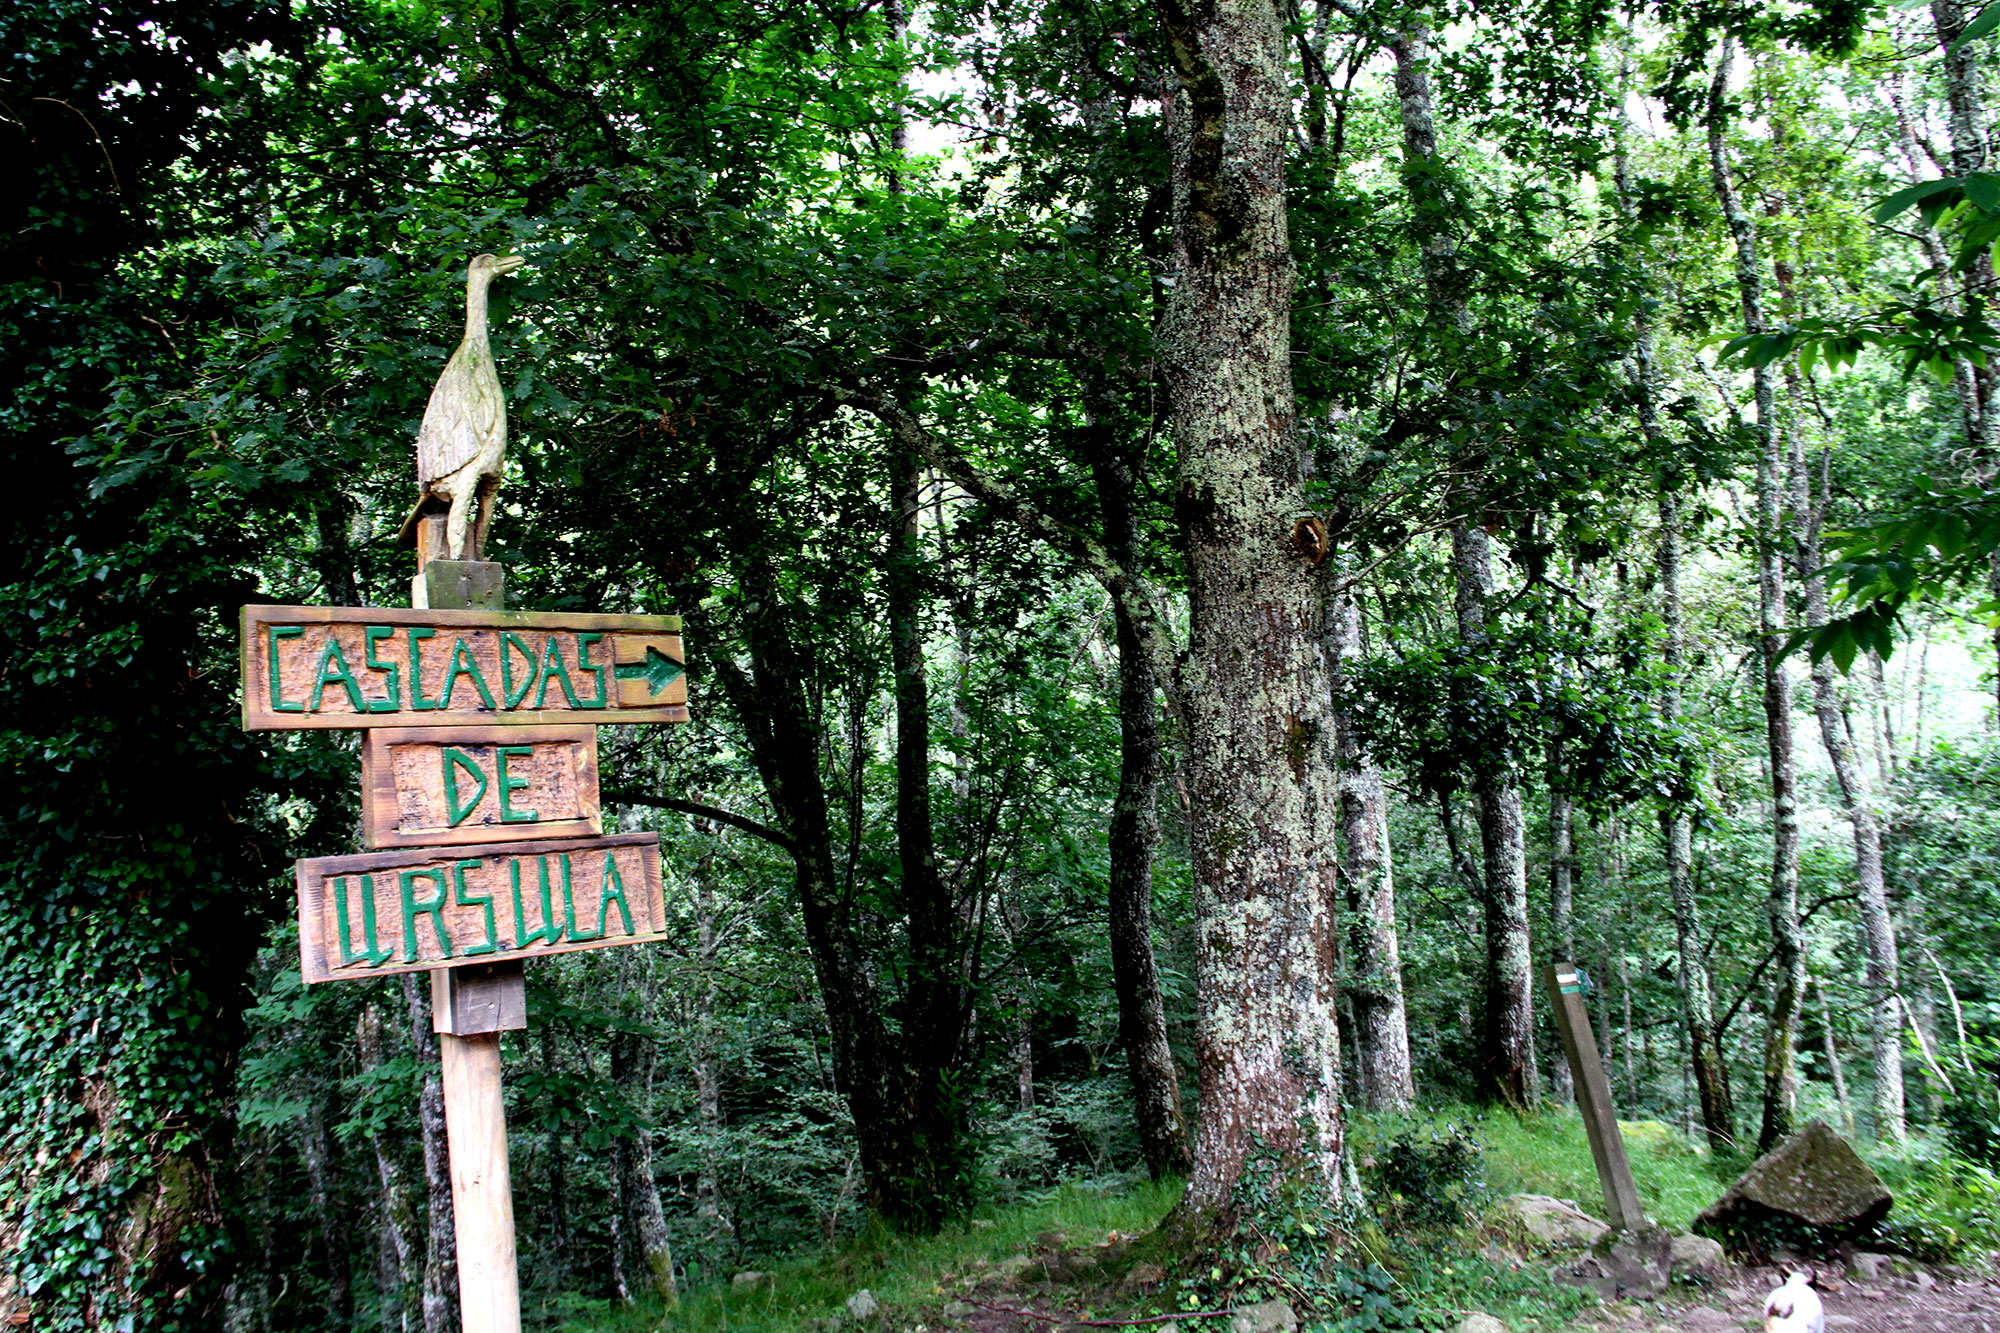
658, 670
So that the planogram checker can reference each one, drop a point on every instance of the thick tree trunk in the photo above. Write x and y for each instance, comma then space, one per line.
1780, 1084
1374, 984
1135, 830
1260, 767
440, 1288
1507, 1037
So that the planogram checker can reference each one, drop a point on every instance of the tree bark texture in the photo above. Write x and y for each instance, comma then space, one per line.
1780, 1084
1254, 683
1374, 982
1133, 835
1507, 1033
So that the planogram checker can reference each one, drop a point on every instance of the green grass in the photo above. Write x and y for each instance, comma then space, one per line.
1548, 1153
1541, 1154
898, 1270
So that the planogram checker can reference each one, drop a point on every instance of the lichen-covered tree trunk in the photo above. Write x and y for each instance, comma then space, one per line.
1507, 1033
1781, 906
633, 1058
1374, 983
1259, 767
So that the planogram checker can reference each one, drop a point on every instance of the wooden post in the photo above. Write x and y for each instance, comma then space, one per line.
469, 1008
1593, 1098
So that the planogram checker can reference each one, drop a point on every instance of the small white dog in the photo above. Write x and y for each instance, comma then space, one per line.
1795, 1307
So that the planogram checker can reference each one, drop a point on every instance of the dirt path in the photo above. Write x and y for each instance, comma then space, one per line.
1892, 1303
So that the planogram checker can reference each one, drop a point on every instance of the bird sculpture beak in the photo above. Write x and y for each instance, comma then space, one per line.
507, 264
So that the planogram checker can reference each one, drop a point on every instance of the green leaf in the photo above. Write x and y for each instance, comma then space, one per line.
1986, 22
1909, 195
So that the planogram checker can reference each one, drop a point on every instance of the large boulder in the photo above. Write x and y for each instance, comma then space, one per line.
1814, 1178
1552, 1221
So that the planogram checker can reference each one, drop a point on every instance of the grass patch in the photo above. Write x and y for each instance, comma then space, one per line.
1545, 1153
898, 1270
1548, 1153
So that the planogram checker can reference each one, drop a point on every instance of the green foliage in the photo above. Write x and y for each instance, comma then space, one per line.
1946, 1208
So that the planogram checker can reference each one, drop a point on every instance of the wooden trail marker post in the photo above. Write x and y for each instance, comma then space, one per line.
480, 807
1593, 1098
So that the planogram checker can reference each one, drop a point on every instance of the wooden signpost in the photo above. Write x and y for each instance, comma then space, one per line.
480, 809
1593, 1099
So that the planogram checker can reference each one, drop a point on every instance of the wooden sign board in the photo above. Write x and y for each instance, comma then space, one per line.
405, 911
309, 667
441, 786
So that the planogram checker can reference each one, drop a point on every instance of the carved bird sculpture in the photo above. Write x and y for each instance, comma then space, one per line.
1795, 1307
462, 445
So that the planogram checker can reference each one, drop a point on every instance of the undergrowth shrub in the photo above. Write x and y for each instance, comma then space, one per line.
1405, 1254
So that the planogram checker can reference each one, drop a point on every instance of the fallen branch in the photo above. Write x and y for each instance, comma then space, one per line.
1100, 1323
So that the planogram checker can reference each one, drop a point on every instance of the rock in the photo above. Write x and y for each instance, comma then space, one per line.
1264, 1317
1695, 1257
1815, 1177
1624, 1263
1924, 1281
1052, 1240
863, 1306
1554, 1222
751, 1279
1479, 1323
982, 1224
1143, 1275
958, 1310
1870, 1267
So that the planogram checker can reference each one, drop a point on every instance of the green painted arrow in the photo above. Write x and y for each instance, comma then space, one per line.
658, 671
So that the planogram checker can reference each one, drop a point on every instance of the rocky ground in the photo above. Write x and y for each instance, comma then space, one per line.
1915, 1302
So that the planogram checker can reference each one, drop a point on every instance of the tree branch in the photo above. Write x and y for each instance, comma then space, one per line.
1125, 588
700, 811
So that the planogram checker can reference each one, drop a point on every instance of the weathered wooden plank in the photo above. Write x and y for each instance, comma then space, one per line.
312, 667
443, 786
1593, 1098
377, 913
